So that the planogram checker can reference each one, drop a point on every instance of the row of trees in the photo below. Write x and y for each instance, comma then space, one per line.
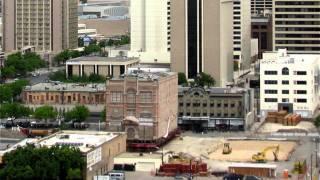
123, 40
61, 76
20, 64
56, 162
46, 113
10, 92
203, 80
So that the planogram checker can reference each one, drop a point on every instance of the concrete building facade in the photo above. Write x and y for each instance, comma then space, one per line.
98, 148
261, 6
103, 66
290, 83
202, 109
261, 29
49, 26
150, 30
200, 38
296, 26
65, 96
242, 33
144, 105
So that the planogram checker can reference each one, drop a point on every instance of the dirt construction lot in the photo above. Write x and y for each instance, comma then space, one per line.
242, 150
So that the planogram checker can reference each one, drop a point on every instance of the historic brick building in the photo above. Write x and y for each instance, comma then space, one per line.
65, 96
144, 105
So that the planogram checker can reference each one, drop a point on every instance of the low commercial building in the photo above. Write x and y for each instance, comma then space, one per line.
202, 109
65, 96
145, 106
104, 66
289, 82
98, 148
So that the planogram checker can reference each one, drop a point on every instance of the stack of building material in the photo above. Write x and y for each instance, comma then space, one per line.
276, 117
283, 118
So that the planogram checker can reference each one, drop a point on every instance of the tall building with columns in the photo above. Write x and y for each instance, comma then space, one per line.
201, 38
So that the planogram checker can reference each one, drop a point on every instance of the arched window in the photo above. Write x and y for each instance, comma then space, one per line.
285, 71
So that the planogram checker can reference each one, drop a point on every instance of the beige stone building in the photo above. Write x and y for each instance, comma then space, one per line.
144, 105
201, 38
49, 26
104, 66
65, 96
98, 148
296, 26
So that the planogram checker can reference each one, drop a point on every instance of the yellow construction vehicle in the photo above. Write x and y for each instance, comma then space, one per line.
261, 156
226, 148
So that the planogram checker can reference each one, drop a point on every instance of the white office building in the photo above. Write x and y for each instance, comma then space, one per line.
289, 82
150, 30
242, 32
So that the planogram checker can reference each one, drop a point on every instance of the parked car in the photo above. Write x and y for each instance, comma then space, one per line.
252, 178
233, 177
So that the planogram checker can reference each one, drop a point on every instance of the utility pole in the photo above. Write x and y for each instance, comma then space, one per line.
311, 168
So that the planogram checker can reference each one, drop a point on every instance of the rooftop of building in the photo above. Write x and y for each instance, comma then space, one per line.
84, 140
102, 60
145, 76
71, 87
282, 57
130, 155
214, 90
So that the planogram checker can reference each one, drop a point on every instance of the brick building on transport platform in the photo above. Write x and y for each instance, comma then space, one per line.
145, 106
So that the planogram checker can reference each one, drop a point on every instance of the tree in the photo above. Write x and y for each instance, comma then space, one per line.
14, 110
24, 63
6, 94
77, 114
182, 79
17, 87
45, 112
103, 115
80, 42
56, 162
317, 121
92, 48
8, 72
204, 79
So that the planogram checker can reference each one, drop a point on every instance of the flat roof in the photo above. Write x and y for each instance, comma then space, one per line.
215, 90
253, 165
84, 140
137, 155
67, 87
145, 76
99, 60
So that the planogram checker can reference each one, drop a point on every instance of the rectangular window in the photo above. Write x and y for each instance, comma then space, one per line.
270, 72
300, 92
285, 91
271, 91
116, 97
300, 82
301, 100
270, 100
285, 82
270, 82
285, 100
146, 97
300, 72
